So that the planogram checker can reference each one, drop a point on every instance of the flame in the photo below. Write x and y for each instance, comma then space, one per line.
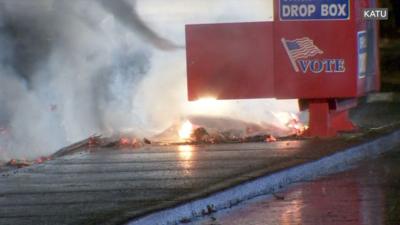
42, 159
291, 121
270, 138
186, 130
124, 141
129, 142
20, 163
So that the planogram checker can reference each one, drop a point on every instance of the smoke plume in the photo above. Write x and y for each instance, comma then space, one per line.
126, 14
70, 69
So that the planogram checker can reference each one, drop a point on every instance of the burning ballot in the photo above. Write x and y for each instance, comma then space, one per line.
19, 163
130, 142
270, 138
213, 130
42, 159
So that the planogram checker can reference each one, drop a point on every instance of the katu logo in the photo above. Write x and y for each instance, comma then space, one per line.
299, 52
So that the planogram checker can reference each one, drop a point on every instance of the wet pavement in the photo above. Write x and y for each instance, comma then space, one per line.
113, 185
367, 194
94, 187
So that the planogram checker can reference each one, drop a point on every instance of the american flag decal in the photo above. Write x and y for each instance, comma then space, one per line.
301, 48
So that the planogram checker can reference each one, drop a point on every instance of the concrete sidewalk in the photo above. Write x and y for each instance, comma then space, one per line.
115, 186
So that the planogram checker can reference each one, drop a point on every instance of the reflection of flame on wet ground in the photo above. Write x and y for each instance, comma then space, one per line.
185, 152
292, 212
186, 157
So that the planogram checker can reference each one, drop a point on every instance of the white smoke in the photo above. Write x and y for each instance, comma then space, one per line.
71, 68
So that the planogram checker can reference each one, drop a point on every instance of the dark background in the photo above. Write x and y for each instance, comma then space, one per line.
391, 28
390, 47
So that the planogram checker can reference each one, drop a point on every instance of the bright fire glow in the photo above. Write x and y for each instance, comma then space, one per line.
291, 121
285, 117
208, 106
206, 102
186, 130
